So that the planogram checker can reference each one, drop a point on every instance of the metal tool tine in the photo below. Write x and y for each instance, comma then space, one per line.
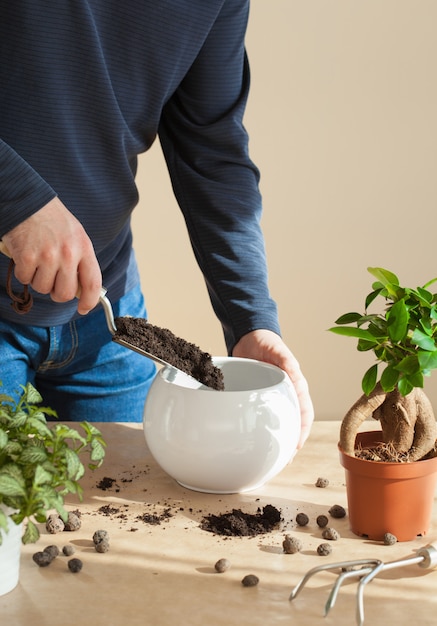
327, 567
366, 570
360, 591
426, 557
341, 578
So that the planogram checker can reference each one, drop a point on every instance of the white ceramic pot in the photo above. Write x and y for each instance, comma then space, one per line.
10, 551
223, 441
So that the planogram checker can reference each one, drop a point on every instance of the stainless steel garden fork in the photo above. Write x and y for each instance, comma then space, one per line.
366, 570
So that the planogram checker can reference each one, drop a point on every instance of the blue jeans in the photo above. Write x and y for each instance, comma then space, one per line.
79, 371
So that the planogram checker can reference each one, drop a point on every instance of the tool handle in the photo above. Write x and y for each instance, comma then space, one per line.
429, 554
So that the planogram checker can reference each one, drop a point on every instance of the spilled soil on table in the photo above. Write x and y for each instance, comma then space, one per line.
234, 523
237, 523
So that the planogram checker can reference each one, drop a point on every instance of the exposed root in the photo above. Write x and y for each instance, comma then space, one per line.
408, 425
383, 453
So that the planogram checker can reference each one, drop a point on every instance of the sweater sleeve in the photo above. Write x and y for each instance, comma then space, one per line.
22, 190
215, 182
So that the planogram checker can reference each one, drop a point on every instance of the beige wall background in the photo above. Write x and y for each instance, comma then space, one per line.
343, 125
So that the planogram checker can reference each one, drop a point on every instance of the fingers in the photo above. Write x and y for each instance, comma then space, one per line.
53, 254
292, 367
89, 287
306, 409
265, 345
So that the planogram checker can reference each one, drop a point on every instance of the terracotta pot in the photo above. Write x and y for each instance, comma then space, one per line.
394, 498
10, 551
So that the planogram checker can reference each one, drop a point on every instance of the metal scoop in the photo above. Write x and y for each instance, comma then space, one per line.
174, 372
188, 381
365, 570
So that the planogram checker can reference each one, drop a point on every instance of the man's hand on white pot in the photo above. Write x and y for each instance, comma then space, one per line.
265, 345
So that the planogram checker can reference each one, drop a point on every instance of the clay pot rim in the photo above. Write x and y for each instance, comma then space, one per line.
368, 433
387, 469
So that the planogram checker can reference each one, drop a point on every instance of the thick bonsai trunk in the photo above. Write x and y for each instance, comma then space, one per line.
407, 422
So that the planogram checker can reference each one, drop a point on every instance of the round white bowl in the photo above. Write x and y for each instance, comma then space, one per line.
223, 441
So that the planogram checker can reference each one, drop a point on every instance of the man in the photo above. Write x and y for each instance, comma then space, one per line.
85, 87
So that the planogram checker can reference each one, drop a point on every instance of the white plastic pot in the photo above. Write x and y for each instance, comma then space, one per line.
10, 551
228, 441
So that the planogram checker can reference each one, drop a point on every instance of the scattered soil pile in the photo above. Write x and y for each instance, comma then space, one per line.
240, 524
106, 483
153, 519
162, 343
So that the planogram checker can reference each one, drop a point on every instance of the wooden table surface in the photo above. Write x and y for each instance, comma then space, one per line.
162, 574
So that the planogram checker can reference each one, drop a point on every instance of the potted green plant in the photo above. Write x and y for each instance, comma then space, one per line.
39, 465
381, 465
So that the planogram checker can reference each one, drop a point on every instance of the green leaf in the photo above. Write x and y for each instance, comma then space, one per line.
47, 411
397, 321
364, 346
424, 295
404, 386
91, 430
371, 297
369, 379
389, 378
409, 365
33, 455
430, 282
31, 395
10, 486
3, 438
422, 340
75, 469
425, 323
385, 277
97, 453
19, 420
415, 379
65, 432
38, 426
348, 318
42, 477
31, 533
3, 520
427, 360
360, 333
378, 329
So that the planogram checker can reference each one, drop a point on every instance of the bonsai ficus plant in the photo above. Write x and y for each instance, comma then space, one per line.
40, 462
402, 336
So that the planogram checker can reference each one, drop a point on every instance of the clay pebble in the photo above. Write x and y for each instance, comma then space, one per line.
331, 534
291, 545
250, 580
75, 565
337, 511
222, 565
324, 549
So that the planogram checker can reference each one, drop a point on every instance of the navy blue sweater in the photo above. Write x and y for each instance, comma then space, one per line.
86, 86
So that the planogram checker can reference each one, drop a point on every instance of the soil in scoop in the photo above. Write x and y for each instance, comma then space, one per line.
162, 343
240, 524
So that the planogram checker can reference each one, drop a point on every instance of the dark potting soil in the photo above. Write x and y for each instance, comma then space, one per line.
240, 524
162, 343
106, 483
